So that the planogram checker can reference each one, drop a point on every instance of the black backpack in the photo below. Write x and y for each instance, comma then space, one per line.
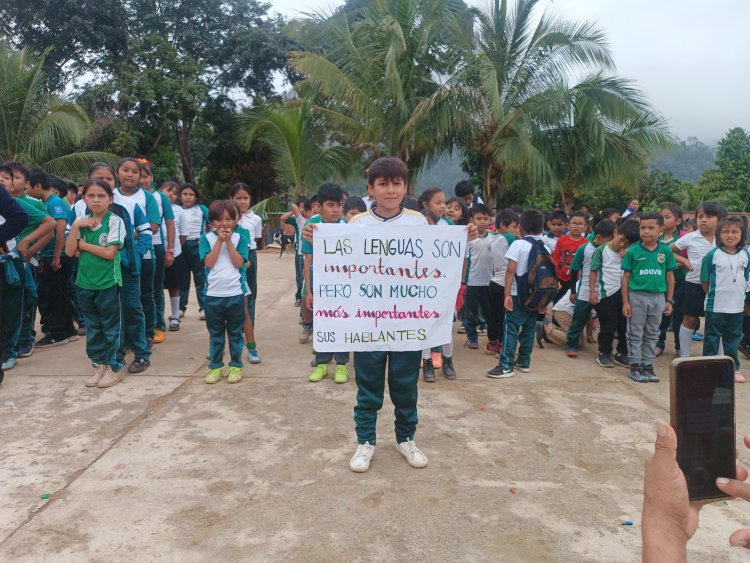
538, 286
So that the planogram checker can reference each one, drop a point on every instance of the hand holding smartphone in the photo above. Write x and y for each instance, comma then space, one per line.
702, 414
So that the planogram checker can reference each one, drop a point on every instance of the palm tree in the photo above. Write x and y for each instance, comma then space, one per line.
38, 128
371, 76
303, 156
604, 133
513, 84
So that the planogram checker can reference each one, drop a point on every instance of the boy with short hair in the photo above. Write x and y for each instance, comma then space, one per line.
479, 275
56, 316
520, 324
557, 223
565, 250
465, 190
580, 294
331, 198
506, 227
605, 288
648, 274
387, 181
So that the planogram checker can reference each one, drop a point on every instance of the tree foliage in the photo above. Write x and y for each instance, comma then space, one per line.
38, 128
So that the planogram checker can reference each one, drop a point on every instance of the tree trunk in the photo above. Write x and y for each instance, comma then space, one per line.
182, 139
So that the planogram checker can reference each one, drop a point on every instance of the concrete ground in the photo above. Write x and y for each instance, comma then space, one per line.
542, 467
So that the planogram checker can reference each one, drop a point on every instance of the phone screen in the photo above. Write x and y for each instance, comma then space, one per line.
703, 419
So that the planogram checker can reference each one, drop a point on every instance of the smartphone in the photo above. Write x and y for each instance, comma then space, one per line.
702, 414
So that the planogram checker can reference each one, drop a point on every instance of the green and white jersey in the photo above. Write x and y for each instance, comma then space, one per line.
608, 264
38, 203
648, 268
56, 209
679, 273
225, 279
97, 273
582, 263
726, 275
35, 218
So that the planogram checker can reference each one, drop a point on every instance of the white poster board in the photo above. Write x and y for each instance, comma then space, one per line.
385, 288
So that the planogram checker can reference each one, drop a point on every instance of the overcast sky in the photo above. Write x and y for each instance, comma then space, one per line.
690, 57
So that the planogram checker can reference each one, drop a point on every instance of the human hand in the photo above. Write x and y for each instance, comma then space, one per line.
594, 299
307, 233
224, 234
669, 518
168, 259
509, 303
55, 264
85, 222
668, 309
739, 489
627, 312
573, 297
472, 229
309, 301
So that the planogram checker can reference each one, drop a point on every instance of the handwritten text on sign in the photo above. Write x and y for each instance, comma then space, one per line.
385, 288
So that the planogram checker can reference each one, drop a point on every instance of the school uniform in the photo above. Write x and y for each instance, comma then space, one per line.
608, 265
298, 222
675, 319
478, 284
159, 240
146, 201
13, 219
520, 325
496, 321
402, 367
176, 276
693, 296
225, 299
322, 358
562, 257
27, 336
726, 275
646, 293
582, 310
254, 225
196, 218
134, 320
56, 316
99, 282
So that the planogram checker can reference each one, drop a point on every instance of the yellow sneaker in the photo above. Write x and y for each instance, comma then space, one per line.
213, 376
234, 375
342, 375
318, 373
158, 336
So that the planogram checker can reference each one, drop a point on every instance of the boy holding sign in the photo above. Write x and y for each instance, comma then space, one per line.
331, 198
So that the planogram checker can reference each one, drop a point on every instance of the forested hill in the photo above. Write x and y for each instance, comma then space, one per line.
687, 161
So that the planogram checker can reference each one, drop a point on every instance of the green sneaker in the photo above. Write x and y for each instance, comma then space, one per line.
342, 375
213, 376
234, 375
318, 373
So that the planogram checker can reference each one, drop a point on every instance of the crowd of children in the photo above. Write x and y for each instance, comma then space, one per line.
100, 256
95, 260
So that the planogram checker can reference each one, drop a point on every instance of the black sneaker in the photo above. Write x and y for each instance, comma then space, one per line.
428, 371
500, 372
139, 365
648, 371
622, 360
48, 342
605, 360
448, 371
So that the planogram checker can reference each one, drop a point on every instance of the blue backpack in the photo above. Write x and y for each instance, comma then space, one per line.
538, 286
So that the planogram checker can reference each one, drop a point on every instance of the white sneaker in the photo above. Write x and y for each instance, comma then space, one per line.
360, 461
412, 454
